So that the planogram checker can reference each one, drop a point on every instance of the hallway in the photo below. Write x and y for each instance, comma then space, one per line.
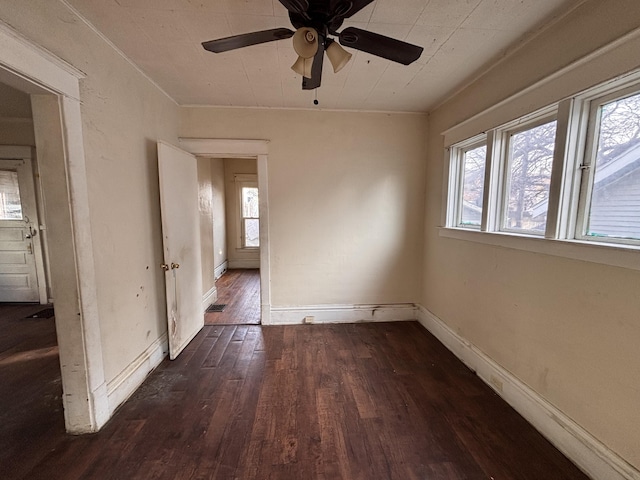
239, 290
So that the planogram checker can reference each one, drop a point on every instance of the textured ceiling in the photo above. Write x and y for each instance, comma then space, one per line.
460, 37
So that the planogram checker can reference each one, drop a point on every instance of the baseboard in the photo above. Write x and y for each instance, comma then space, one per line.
341, 313
126, 382
220, 270
244, 263
210, 297
582, 448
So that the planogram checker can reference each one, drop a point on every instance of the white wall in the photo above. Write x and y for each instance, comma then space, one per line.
568, 329
123, 115
205, 205
219, 213
345, 200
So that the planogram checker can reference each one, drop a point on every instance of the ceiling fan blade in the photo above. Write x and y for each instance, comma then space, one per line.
316, 69
356, 6
379, 45
246, 39
296, 6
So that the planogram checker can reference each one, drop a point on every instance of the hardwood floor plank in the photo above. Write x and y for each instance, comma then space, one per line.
362, 401
239, 290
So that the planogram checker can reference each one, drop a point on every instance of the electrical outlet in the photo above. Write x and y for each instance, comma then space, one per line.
496, 382
309, 319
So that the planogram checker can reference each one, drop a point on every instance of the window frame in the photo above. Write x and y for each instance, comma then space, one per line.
543, 117
592, 116
457, 158
244, 181
568, 186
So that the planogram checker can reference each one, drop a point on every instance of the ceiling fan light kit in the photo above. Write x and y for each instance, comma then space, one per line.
338, 56
314, 21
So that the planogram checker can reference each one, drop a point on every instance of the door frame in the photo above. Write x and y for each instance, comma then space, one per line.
54, 86
258, 149
39, 242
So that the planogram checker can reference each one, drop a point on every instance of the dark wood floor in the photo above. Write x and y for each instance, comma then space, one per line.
240, 291
359, 401
31, 418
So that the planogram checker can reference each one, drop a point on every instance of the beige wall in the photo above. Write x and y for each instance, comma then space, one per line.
205, 205
16, 132
123, 116
238, 257
569, 329
346, 202
219, 213
16, 125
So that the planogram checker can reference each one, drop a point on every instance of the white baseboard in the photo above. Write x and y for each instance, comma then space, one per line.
245, 263
126, 382
582, 448
341, 313
210, 297
220, 270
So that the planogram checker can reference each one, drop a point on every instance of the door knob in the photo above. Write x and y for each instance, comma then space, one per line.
175, 265
164, 267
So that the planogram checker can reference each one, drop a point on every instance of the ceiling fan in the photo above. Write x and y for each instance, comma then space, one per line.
315, 21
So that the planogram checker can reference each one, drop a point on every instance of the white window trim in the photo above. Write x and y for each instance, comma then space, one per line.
242, 180
456, 180
565, 216
504, 134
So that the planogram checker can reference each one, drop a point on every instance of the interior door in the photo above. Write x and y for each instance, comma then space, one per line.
178, 173
18, 227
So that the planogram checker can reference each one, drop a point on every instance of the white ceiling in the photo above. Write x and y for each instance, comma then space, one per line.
459, 37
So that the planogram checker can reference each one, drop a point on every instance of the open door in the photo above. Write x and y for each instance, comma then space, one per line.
19, 227
178, 174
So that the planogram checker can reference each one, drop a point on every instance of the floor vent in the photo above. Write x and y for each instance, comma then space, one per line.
216, 307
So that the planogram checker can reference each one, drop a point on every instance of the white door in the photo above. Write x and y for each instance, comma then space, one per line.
178, 173
18, 227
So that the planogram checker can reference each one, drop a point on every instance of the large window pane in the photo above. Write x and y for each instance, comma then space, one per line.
10, 206
251, 232
529, 176
474, 161
250, 202
615, 198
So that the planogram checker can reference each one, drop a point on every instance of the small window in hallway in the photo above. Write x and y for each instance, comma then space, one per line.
250, 217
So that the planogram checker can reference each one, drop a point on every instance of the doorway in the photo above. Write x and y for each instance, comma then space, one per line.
54, 90
238, 289
256, 150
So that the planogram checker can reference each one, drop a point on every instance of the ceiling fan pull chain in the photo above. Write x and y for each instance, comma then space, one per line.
315, 101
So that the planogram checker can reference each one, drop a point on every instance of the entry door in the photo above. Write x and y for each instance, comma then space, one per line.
178, 173
18, 226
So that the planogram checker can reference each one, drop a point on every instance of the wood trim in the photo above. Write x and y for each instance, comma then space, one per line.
210, 297
224, 148
342, 313
582, 448
126, 382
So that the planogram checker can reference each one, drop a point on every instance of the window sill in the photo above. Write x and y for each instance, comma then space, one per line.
616, 255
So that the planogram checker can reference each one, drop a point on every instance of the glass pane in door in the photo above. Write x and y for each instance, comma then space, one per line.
10, 205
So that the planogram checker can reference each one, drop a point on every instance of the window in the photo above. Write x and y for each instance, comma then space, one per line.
611, 184
470, 161
247, 211
250, 217
530, 157
570, 171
